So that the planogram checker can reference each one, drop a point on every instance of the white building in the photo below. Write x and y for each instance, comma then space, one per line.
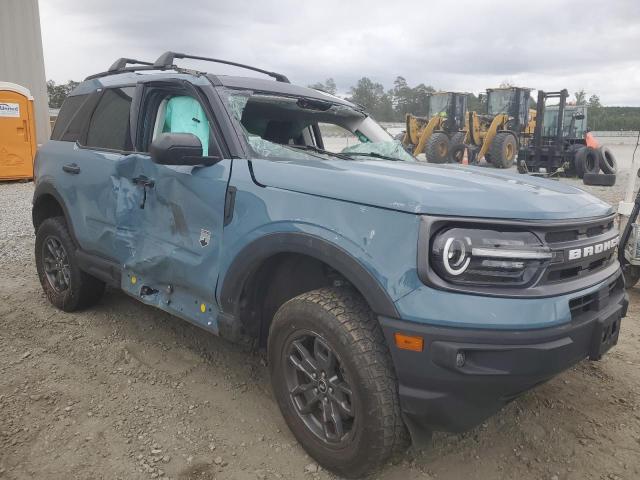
21, 57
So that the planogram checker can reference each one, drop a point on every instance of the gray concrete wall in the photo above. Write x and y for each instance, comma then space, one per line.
21, 57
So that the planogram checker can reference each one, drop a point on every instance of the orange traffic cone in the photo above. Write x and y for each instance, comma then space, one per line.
465, 157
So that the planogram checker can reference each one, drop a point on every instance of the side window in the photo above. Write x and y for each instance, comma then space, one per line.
182, 114
109, 125
335, 137
73, 117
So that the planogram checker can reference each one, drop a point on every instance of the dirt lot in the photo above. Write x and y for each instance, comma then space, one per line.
126, 391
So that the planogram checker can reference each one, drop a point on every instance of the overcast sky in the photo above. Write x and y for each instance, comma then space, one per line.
453, 45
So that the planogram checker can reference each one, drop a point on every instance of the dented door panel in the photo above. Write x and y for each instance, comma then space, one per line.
171, 240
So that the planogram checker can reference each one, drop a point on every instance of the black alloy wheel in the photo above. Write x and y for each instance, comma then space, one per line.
56, 264
319, 388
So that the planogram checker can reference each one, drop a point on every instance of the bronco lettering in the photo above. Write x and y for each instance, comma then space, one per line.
577, 253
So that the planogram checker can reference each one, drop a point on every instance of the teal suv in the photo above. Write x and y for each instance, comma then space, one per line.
393, 297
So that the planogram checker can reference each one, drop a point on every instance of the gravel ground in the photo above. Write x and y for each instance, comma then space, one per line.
126, 391
16, 229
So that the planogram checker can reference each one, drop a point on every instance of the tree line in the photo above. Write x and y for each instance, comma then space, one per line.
392, 105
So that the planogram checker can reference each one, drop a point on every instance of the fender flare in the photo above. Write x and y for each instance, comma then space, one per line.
252, 256
46, 188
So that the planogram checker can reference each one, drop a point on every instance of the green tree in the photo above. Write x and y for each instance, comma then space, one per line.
328, 86
581, 97
477, 104
594, 101
373, 98
57, 93
409, 100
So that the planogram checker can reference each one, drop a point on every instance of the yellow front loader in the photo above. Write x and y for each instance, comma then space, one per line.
442, 129
498, 135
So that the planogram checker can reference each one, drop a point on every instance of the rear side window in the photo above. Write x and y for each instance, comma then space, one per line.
109, 124
72, 118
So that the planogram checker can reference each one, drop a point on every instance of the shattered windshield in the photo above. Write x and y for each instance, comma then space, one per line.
301, 128
499, 101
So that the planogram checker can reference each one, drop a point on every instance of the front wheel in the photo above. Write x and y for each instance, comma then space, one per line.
503, 150
332, 376
437, 148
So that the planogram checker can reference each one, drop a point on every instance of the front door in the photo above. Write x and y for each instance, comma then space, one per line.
17, 135
175, 261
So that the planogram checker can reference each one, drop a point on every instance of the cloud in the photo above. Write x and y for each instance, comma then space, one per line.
464, 45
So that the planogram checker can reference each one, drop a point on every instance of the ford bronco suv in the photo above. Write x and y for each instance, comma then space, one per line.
393, 297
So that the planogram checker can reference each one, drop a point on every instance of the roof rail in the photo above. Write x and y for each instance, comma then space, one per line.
121, 64
165, 61
123, 70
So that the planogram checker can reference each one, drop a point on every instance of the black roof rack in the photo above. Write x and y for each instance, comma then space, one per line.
165, 61
121, 66
122, 63
123, 70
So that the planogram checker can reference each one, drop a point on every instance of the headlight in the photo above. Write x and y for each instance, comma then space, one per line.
466, 256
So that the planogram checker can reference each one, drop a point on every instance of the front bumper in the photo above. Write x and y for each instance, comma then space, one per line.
439, 391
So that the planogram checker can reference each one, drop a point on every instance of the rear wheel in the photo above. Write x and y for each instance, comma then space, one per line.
437, 148
332, 376
66, 286
503, 150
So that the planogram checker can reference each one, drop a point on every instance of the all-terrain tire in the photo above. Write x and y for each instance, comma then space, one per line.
599, 179
82, 290
457, 138
437, 148
608, 162
587, 160
344, 323
503, 150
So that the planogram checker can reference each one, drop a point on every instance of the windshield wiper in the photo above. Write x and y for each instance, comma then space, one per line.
313, 148
372, 154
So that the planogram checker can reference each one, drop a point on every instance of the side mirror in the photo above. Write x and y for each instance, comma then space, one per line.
179, 149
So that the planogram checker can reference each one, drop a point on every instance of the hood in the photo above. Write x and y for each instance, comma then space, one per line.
424, 188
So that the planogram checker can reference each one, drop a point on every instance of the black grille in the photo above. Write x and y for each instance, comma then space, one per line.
561, 239
577, 232
596, 300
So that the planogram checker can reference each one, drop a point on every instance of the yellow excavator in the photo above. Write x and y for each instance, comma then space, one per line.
498, 135
441, 130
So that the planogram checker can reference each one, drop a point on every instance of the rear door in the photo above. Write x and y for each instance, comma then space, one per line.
95, 171
91, 146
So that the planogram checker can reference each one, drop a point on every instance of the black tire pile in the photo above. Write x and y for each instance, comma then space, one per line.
590, 162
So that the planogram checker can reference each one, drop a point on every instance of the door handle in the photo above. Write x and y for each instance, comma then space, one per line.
145, 182
71, 168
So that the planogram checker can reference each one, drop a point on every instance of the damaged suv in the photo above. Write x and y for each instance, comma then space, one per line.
393, 297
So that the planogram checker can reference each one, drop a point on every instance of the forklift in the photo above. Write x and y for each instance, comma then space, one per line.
441, 130
558, 140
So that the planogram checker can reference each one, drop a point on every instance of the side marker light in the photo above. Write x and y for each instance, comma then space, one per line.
409, 342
